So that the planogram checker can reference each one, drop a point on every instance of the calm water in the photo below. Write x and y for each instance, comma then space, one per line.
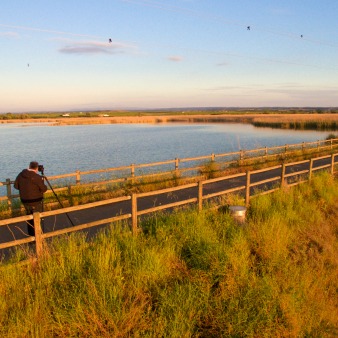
65, 149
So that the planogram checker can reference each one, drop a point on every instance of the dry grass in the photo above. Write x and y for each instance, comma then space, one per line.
184, 118
189, 274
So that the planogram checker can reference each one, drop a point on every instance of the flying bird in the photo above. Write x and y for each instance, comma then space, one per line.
248, 28
301, 36
110, 41
27, 64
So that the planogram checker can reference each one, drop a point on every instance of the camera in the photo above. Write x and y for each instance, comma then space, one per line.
41, 168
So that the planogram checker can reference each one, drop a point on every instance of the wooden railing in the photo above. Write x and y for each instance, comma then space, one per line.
178, 166
249, 189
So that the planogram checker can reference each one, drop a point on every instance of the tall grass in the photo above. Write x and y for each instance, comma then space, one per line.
188, 274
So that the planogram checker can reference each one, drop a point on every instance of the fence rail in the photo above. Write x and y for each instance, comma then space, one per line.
179, 165
249, 189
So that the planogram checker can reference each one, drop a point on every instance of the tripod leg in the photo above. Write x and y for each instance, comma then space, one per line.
57, 197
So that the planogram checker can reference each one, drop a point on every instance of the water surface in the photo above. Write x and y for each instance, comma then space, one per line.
65, 149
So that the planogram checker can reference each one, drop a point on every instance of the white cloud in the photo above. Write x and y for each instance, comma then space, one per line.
95, 47
222, 64
175, 58
9, 34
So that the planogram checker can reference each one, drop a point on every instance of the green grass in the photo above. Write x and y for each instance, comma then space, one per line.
188, 274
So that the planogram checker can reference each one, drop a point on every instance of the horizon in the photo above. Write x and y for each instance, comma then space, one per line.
187, 109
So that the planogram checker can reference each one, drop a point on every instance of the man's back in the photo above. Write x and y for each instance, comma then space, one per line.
30, 185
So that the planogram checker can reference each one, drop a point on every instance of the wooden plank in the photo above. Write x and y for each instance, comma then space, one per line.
265, 169
167, 206
61, 176
265, 192
17, 242
227, 154
86, 226
297, 173
199, 158
153, 164
265, 181
38, 234
322, 167
15, 220
134, 213
85, 206
224, 178
322, 157
294, 163
296, 183
163, 191
223, 192
247, 188
97, 171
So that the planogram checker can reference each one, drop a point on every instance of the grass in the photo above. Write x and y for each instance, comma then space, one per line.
188, 274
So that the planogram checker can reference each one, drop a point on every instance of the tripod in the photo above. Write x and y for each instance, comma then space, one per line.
57, 197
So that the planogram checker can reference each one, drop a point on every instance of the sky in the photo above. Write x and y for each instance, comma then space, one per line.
153, 54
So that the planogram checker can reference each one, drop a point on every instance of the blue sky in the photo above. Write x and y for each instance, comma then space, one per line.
56, 55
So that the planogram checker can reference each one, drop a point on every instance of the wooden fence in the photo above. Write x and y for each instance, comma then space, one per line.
249, 189
178, 166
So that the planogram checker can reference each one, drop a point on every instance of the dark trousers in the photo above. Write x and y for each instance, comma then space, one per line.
30, 209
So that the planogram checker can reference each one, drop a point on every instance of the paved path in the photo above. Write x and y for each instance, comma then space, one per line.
52, 223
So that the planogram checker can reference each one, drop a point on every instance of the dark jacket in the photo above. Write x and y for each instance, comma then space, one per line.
30, 185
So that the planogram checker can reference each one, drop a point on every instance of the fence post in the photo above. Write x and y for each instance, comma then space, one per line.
78, 177
200, 195
331, 143
134, 213
132, 172
266, 151
38, 233
310, 170
247, 188
332, 164
286, 148
9, 192
241, 156
282, 178
212, 157
176, 164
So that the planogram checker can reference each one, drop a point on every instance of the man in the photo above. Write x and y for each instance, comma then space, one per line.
31, 189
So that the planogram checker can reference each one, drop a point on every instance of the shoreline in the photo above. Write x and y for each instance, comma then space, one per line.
155, 119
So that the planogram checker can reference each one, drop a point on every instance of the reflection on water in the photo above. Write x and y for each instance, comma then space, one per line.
65, 149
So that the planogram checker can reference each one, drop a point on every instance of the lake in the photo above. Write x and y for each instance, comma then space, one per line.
65, 149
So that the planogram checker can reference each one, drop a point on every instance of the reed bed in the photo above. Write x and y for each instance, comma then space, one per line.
298, 121
188, 274
291, 119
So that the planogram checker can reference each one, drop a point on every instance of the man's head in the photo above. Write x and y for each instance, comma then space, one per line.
34, 165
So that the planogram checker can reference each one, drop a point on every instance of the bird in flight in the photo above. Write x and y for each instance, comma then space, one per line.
27, 64
110, 41
301, 36
248, 28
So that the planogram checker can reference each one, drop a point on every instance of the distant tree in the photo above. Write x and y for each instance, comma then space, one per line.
8, 116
